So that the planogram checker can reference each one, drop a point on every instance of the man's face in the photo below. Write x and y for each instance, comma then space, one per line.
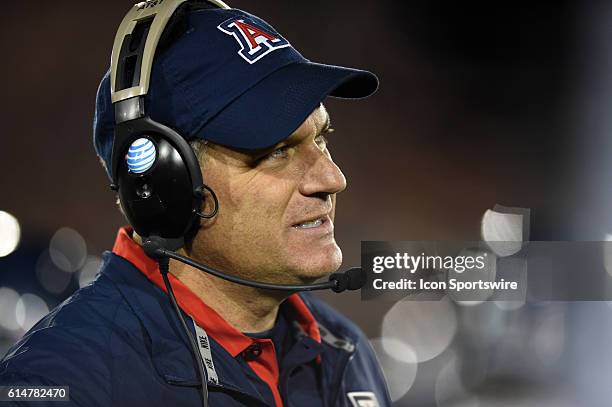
276, 208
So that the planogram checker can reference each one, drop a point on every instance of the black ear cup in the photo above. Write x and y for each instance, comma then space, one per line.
159, 180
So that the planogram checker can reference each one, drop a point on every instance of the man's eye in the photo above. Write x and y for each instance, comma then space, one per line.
322, 141
281, 152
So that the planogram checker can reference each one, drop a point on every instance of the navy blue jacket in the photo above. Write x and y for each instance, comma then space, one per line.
118, 342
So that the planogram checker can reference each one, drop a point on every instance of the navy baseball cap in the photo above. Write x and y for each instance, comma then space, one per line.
234, 80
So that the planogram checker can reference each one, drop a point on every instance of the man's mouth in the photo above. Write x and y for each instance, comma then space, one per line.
310, 224
314, 222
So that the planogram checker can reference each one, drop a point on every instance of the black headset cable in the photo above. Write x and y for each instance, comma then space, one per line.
164, 268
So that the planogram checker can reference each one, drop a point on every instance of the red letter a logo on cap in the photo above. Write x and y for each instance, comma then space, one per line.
256, 39
251, 33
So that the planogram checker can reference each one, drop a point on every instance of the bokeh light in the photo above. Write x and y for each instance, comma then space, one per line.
10, 233
89, 270
398, 362
8, 303
510, 305
428, 327
503, 232
607, 253
511, 301
449, 388
68, 249
51, 277
548, 340
29, 310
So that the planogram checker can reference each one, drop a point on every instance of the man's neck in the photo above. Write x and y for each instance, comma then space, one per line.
248, 309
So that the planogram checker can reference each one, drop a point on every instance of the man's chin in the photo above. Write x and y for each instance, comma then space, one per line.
316, 266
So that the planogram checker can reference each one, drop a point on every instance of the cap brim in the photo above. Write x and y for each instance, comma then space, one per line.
276, 106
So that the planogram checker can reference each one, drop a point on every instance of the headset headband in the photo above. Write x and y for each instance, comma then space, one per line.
132, 58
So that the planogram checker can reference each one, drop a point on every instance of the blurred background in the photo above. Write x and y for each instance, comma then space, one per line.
506, 104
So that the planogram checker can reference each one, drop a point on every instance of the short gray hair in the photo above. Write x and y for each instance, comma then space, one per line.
199, 148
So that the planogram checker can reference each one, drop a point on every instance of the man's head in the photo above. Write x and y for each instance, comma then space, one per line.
277, 205
231, 79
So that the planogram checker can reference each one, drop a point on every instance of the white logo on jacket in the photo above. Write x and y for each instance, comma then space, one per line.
363, 399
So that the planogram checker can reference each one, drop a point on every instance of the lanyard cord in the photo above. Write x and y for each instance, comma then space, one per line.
164, 269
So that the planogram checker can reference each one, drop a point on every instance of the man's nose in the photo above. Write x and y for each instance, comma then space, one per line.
322, 177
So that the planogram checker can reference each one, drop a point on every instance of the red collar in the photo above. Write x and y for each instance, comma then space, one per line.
232, 340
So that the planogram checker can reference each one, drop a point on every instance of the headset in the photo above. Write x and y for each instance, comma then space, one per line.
160, 184
154, 169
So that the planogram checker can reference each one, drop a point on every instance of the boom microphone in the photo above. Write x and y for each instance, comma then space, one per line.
353, 279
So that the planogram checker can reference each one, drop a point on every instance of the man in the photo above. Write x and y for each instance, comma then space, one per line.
251, 106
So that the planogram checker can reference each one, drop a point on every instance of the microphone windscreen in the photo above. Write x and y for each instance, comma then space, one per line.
356, 278
352, 279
